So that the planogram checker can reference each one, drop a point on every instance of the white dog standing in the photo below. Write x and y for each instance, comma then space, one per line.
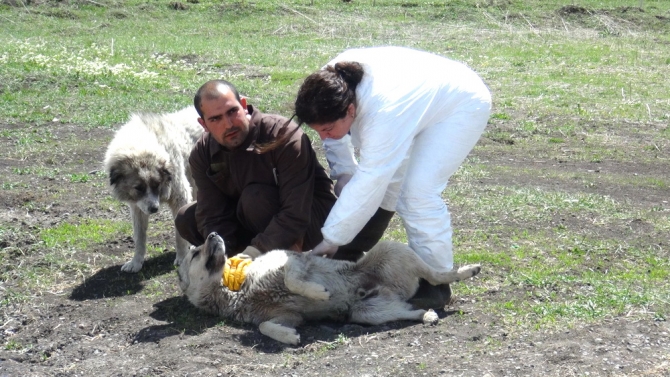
147, 164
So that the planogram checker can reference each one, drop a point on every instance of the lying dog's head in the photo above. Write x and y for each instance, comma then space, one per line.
143, 179
200, 271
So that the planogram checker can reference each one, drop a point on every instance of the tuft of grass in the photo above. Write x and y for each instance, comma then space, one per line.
84, 234
13, 345
341, 340
80, 177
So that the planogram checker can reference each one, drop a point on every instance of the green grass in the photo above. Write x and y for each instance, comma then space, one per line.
83, 235
12, 345
79, 68
341, 340
560, 273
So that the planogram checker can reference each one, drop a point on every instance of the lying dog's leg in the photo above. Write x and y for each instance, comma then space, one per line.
435, 277
294, 270
423, 270
387, 307
397, 265
140, 226
282, 329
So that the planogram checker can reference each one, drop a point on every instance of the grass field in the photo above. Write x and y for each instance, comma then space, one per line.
564, 201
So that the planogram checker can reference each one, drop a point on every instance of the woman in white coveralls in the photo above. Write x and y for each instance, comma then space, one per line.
414, 116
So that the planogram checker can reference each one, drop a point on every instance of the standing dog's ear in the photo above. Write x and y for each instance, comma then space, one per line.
166, 173
114, 176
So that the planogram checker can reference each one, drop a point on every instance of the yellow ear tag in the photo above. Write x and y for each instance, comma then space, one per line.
234, 272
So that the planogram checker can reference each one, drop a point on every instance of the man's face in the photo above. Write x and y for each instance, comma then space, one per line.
225, 118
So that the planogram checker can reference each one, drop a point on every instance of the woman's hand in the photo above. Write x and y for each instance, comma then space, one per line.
325, 248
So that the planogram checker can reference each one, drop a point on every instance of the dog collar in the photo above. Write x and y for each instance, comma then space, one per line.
234, 272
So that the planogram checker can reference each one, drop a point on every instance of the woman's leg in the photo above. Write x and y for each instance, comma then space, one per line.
437, 153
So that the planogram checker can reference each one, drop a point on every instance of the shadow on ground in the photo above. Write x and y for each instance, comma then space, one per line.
112, 282
184, 319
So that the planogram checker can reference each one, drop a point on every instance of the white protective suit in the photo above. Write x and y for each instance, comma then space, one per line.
418, 115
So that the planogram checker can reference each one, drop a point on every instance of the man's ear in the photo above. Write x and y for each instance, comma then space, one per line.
202, 123
243, 102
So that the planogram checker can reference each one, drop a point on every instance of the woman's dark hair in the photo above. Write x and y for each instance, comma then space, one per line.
283, 136
325, 95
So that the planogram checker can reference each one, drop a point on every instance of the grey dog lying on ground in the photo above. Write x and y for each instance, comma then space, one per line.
284, 288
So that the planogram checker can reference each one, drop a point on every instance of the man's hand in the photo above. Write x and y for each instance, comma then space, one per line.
325, 248
249, 253
341, 182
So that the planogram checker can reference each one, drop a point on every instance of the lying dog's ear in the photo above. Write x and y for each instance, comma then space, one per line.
114, 176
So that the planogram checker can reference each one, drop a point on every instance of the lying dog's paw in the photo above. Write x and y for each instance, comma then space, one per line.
293, 338
430, 317
131, 266
177, 261
280, 333
317, 292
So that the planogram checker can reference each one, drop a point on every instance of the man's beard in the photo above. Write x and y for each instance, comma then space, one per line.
239, 135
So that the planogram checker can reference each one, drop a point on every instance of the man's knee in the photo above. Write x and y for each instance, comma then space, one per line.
257, 205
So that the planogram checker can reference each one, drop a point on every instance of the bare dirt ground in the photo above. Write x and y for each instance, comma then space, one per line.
96, 320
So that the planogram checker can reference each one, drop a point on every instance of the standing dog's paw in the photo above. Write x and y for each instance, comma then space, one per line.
430, 317
131, 266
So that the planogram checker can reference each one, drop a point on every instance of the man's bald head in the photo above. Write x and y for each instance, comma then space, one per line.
211, 90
